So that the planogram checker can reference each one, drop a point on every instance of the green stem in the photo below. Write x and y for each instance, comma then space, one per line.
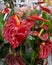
21, 49
32, 58
32, 55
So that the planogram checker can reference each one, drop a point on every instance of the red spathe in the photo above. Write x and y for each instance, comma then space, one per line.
15, 34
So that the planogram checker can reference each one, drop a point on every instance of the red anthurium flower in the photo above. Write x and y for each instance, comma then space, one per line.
44, 37
45, 49
45, 9
10, 60
16, 33
14, 60
36, 17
